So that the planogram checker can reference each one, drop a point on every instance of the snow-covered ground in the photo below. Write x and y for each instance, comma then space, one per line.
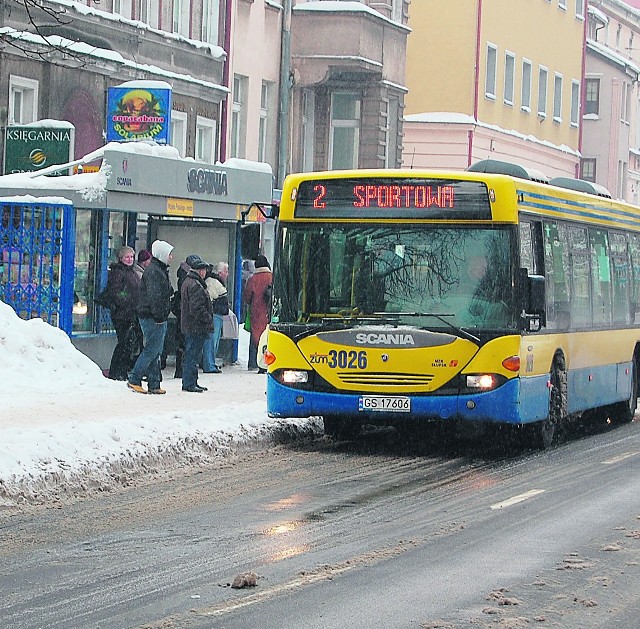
65, 429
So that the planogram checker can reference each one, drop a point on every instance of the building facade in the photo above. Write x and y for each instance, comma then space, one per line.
484, 84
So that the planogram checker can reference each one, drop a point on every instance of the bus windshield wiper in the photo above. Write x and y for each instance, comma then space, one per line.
441, 317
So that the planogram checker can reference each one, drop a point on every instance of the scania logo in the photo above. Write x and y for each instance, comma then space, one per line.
384, 339
210, 181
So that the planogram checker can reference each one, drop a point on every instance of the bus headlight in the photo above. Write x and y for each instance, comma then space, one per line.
294, 376
484, 381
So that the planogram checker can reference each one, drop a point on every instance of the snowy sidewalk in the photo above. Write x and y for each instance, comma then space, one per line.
64, 428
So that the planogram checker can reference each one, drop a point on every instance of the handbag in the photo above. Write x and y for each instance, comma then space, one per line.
247, 320
230, 326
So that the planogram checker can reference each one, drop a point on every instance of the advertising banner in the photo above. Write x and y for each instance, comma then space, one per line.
31, 147
138, 113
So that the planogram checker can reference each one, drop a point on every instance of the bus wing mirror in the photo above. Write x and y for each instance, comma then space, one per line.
534, 306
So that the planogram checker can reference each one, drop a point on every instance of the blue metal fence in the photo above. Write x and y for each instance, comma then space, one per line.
37, 259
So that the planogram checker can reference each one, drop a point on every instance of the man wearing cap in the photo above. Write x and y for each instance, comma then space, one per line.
144, 260
154, 306
196, 321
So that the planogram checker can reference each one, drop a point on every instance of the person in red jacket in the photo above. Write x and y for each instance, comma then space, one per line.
256, 296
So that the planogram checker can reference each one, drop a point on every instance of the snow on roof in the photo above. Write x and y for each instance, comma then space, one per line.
28, 198
345, 6
247, 164
109, 55
148, 84
448, 117
612, 55
216, 51
598, 14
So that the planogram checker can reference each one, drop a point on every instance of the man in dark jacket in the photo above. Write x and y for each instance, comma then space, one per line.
154, 306
196, 321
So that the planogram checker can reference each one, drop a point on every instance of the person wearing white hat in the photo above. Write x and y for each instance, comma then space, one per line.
154, 306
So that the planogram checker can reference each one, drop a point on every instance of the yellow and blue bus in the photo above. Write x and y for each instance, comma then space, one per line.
402, 295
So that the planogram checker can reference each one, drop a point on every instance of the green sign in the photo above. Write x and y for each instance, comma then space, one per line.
31, 147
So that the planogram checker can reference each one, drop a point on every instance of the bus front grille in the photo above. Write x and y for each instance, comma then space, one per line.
386, 379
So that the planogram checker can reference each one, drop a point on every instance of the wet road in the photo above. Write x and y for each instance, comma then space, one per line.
379, 532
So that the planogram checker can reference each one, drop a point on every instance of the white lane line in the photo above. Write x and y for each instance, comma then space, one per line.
617, 459
517, 499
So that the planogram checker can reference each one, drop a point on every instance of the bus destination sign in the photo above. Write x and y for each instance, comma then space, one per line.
384, 197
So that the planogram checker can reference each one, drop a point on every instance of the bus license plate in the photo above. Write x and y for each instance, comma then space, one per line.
394, 404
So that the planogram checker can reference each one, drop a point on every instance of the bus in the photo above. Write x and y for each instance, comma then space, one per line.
469, 297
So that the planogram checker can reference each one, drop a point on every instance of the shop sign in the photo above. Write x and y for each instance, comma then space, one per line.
180, 207
28, 148
138, 113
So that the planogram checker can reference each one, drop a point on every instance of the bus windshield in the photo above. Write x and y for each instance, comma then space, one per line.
408, 272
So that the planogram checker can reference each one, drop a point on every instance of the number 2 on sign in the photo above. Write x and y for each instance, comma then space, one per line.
320, 191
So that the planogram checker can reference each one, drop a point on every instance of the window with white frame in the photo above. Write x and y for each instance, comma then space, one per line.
181, 9
562, 4
625, 109
391, 133
122, 7
179, 131
525, 88
206, 139
588, 168
210, 21
557, 97
575, 102
23, 100
344, 139
307, 129
263, 125
542, 91
490, 78
592, 96
238, 117
150, 12
509, 72
580, 9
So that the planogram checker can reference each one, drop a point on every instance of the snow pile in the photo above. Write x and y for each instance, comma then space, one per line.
66, 430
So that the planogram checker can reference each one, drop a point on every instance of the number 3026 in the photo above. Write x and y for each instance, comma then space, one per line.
347, 360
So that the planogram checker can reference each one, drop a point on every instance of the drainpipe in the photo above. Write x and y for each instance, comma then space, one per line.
285, 87
476, 81
224, 104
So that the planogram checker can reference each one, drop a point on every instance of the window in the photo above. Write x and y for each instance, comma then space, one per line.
600, 277
179, 131
580, 9
149, 12
345, 130
580, 274
391, 134
588, 169
592, 96
122, 7
556, 272
210, 21
542, 92
526, 86
509, 70
181, 24
205, 140
238, 117
490, 79
263, 126
562, 4
575, 102
557, 98
307, 130
23, 100
621, 284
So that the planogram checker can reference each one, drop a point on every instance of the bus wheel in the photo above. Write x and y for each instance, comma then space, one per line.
623, 412
545, 432
341, 427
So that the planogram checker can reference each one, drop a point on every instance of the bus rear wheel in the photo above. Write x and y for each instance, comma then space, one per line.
623, 412
341, 427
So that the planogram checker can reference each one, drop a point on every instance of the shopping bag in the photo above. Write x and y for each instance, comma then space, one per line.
230, 326
247, 320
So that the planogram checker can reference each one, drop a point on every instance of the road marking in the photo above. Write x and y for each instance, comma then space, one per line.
517, 499
617, 459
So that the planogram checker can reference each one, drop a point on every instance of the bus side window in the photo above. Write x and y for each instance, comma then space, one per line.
556, 272
600, 277
621, 278
580, 268
634, 250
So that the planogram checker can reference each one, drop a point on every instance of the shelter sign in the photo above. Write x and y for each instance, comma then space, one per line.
138, 113
28, 148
